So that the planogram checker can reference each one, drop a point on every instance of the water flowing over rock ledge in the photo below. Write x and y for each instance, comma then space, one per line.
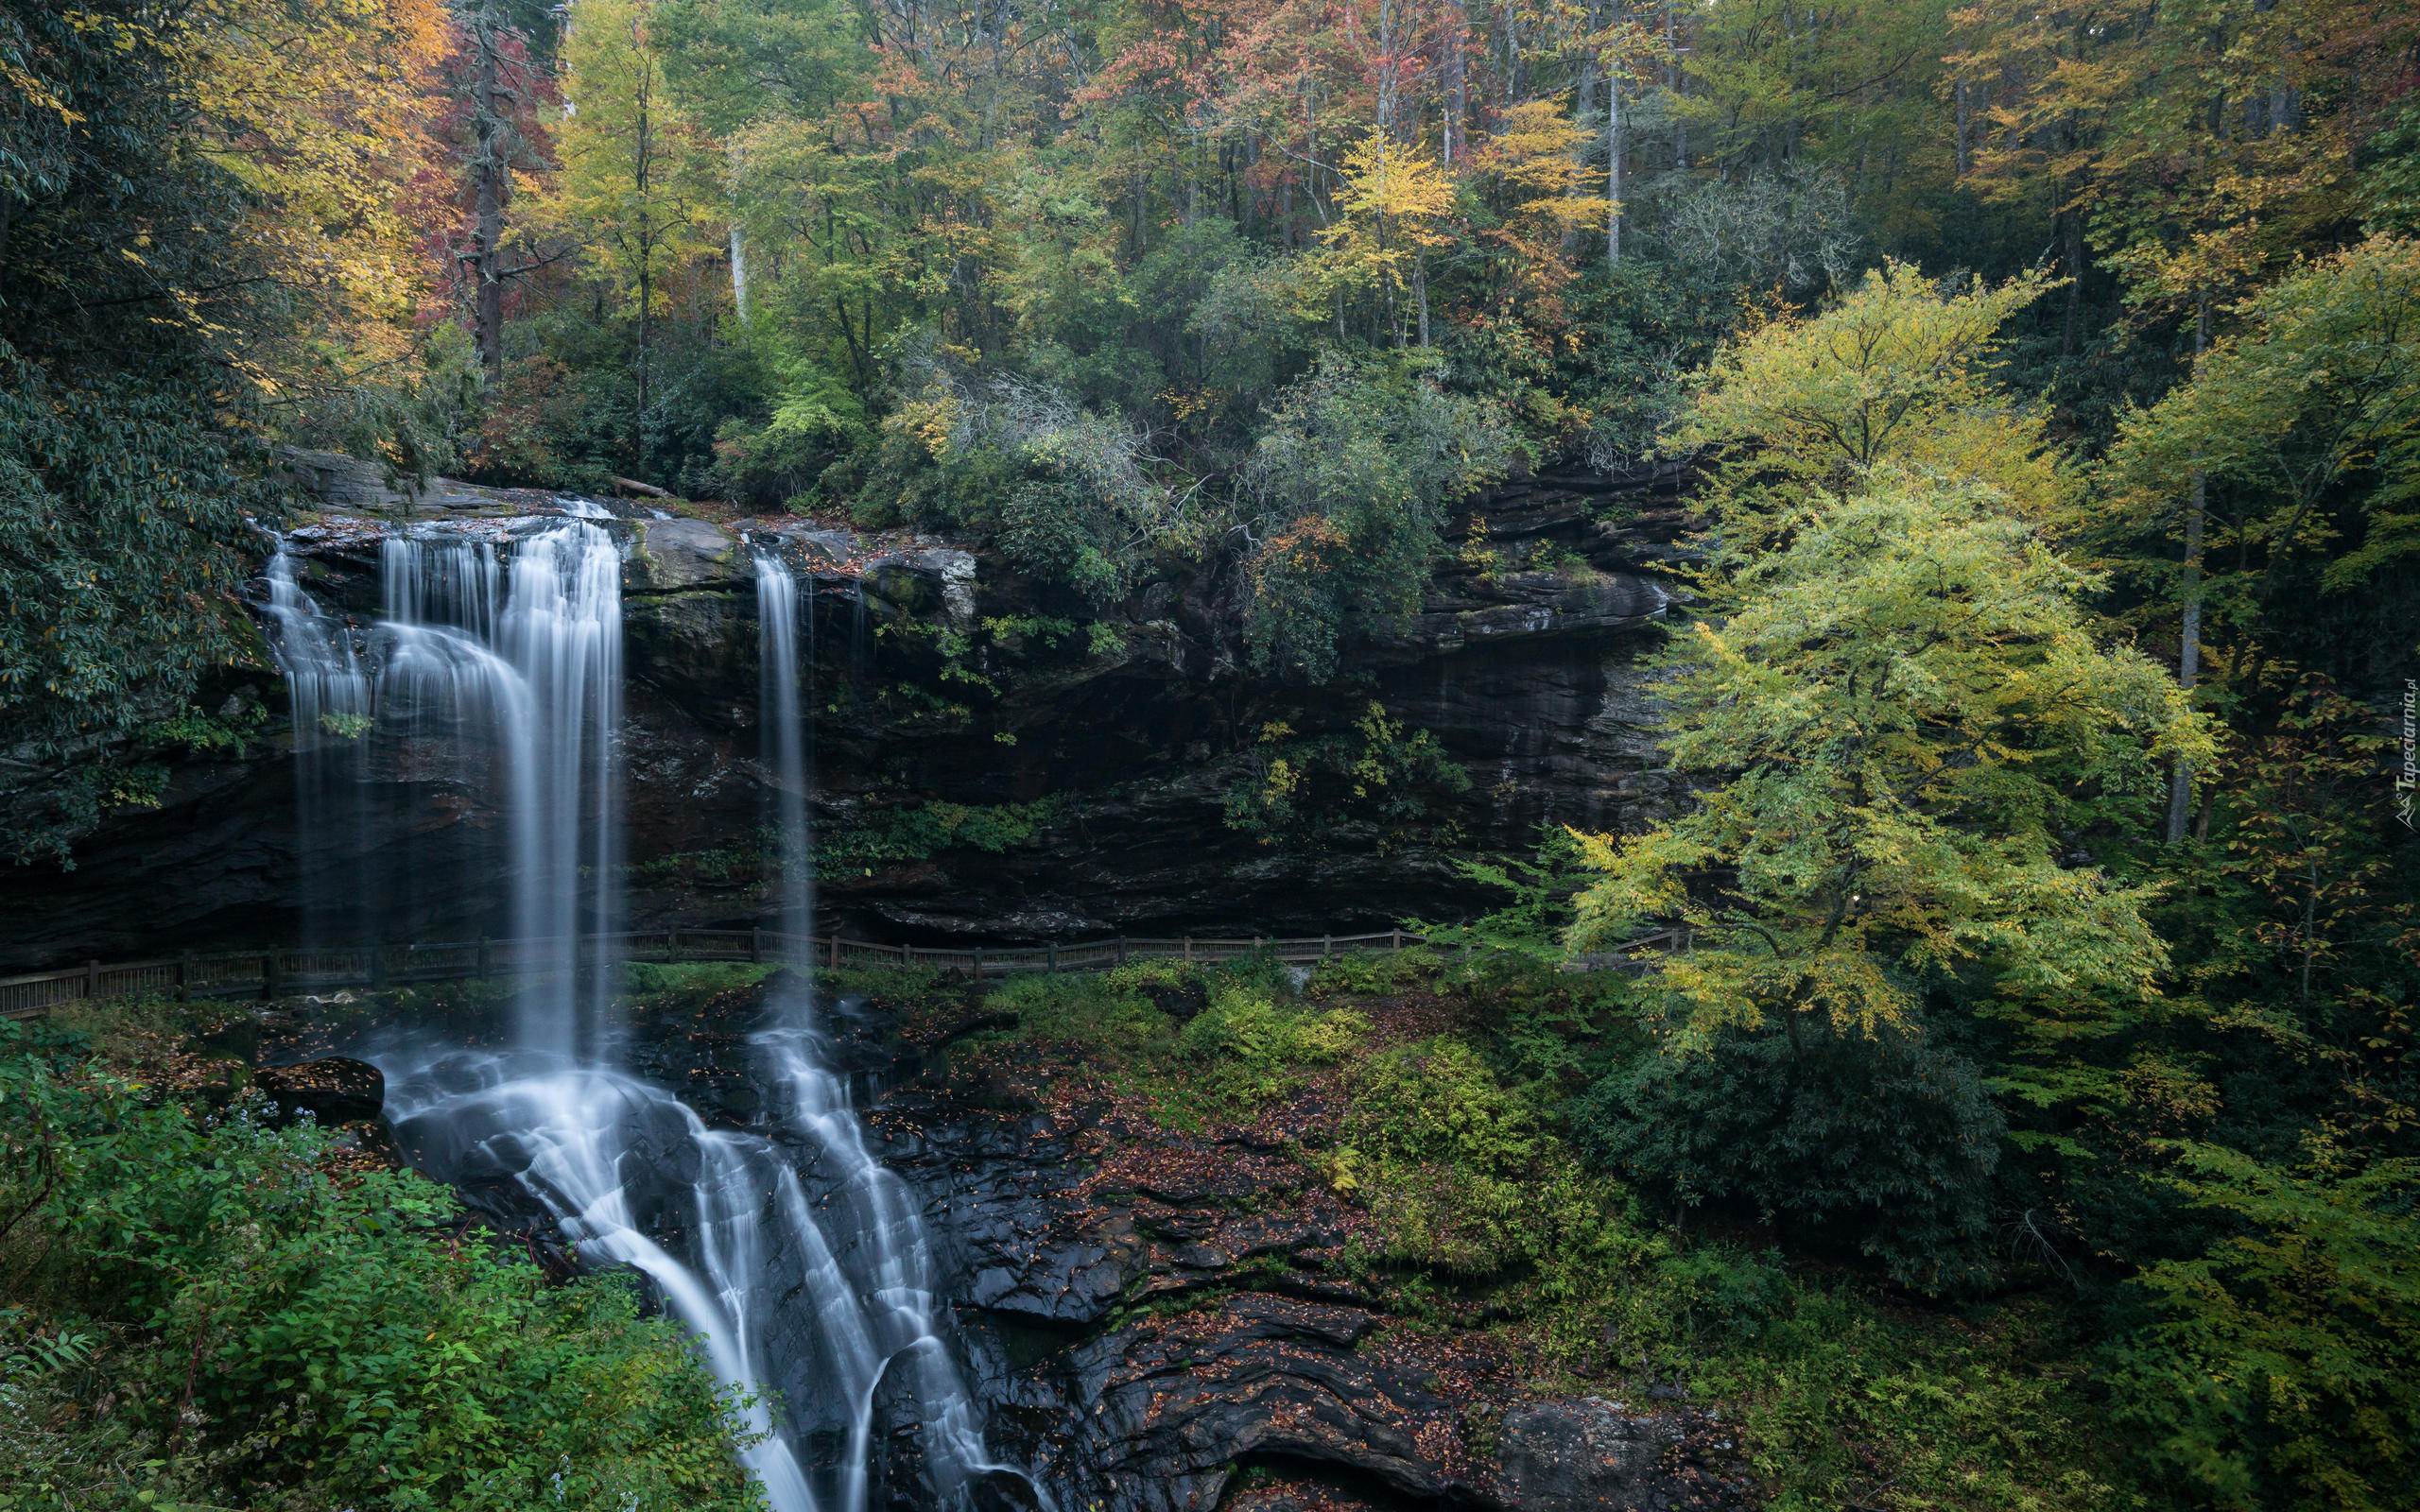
1128, 749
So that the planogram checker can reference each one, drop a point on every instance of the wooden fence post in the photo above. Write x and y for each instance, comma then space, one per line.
377, 966
1189, 947
1121, 949
907, 954
1054, 955
755, 945
1327, 946
672, 945
92, 979
184, 977
978, 963
268, 974
1394, 939
483, 958
836, 953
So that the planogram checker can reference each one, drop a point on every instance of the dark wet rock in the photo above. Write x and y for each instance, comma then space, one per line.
1529, 676
1583, 1455
1149, 1313
333, 1089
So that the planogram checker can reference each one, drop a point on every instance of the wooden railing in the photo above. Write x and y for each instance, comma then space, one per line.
283, 971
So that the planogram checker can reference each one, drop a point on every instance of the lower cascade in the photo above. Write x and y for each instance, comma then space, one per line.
803, 1270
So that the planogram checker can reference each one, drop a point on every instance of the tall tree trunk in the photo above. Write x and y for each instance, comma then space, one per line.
1585, 114
1458, 94
1966, 121
1420, 286
739, 240
2072, 330
638, 428
1613, 167
487, 253
1672, 87
2188, 655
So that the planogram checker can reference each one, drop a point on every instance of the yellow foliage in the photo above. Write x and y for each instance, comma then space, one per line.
1532, 162
1396, 201
1898, 370
315, 106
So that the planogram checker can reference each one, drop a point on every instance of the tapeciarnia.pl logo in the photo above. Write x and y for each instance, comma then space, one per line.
2407, 779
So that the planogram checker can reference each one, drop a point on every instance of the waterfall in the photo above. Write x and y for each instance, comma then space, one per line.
562, 629
808, 1271
782, 742
329, 690
867, 1214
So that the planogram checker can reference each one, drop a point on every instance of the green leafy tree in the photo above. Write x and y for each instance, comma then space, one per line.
633, 180
1345, 502
2275, 1369
1905, 718
2305, 424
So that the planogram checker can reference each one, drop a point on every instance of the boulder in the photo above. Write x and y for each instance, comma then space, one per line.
333, 1089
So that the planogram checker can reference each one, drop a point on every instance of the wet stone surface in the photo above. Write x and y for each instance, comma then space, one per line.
1149, 1319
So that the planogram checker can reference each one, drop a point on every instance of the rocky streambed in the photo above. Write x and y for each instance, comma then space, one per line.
1151, 1316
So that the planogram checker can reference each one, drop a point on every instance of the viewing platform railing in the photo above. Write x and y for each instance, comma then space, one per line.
277, 972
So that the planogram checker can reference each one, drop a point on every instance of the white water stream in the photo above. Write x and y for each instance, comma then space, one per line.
825, 1283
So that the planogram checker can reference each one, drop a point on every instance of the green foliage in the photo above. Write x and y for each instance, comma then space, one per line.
1346, 496
1649, 326
122, 541
1372, 973
1889, 1142
2274, 1367
273, 1329
1195, 1043
2306, 425
1300, 792
1846, 1402
1464, 1172
1905, 709
1070, 494
1252, 1051
918, 832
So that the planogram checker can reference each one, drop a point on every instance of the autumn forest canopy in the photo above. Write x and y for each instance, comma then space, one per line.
2044, 385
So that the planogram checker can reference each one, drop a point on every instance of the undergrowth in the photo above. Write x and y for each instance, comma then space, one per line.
205, 1311
1845, 1392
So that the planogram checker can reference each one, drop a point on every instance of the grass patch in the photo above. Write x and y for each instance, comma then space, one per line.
1194, 1044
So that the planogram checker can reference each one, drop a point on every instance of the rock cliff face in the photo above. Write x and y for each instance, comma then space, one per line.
1153, 1320
1115, 772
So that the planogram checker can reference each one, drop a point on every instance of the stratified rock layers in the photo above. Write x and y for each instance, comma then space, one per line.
1525, 667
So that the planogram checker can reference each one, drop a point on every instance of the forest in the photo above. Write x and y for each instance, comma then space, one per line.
2046, 383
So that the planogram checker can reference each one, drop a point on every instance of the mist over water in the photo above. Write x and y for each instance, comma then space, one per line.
803, 1268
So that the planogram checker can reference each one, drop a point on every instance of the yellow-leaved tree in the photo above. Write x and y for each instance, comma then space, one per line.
1397, 206
1903, 714
314, 107
639, 181
1797, 413
1529, 170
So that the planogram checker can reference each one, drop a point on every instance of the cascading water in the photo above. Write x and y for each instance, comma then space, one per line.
562, 627
330, 693
867, 1212
822, 1288
782, 736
